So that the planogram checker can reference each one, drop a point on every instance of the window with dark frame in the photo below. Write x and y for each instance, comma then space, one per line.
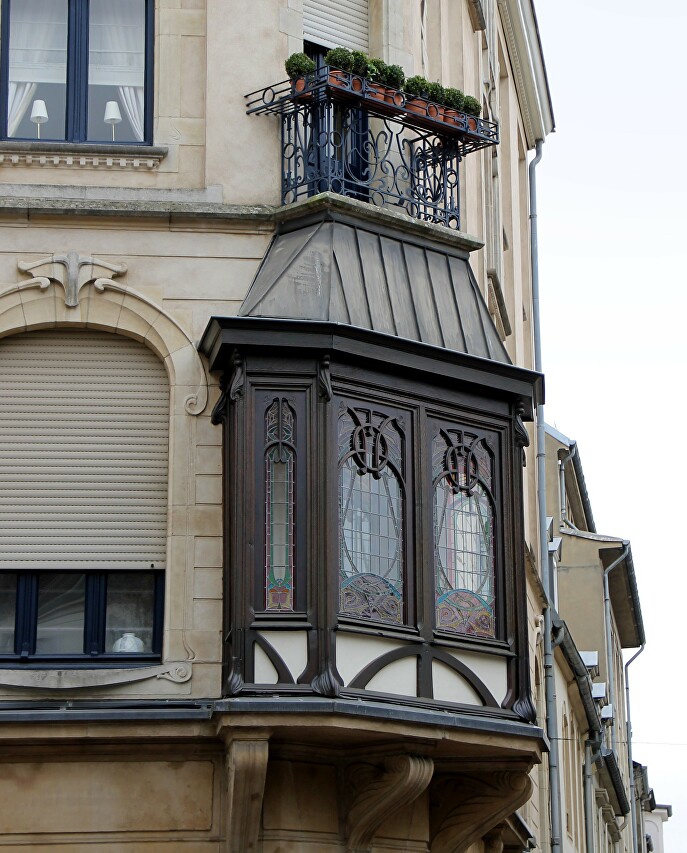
77, 70
72, 616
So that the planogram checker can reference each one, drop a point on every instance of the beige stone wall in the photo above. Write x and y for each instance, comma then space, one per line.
177, 277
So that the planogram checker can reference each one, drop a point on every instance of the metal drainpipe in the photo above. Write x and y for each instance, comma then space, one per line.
633, 807
591, 752
609, 649
561, 482
549, 682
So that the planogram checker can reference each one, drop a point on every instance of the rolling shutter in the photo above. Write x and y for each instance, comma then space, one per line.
84, 420
334, 23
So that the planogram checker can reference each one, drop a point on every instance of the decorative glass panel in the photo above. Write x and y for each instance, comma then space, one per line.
8, 603
61, 608
130, 612
463, 534
279, 505
371, 509
36, 99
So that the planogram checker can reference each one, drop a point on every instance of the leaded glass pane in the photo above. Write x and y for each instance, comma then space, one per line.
279, 506
463, 536
371, 508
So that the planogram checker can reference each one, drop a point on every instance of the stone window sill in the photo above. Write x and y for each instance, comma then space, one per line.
77, 155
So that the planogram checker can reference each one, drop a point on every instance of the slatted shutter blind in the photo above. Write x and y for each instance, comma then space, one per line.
331, 23
84, 420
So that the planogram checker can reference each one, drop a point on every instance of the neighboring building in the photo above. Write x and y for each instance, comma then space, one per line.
598, 618
269, 576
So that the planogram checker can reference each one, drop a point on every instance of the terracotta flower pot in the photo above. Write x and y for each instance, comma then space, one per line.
337, 78
394, 98
298, 84
418, 106
376, 91
434, 111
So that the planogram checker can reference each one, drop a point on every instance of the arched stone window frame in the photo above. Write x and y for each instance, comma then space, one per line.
95, 301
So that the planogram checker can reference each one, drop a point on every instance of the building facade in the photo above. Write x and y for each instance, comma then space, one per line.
270, 576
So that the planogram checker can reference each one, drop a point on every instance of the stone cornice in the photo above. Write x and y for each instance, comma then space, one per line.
81, 155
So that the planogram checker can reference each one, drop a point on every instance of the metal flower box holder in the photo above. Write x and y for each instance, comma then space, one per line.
345, 134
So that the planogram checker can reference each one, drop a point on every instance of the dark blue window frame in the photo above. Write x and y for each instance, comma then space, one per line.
76, 117
95, 616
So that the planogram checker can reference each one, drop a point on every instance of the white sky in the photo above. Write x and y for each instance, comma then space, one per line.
612, 197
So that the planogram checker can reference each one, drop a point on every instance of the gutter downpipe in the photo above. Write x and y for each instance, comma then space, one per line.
549, 682
609, 650
633, 806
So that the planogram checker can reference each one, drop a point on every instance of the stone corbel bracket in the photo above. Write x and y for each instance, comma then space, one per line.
466, 806
246, 770
378, 793
74, 679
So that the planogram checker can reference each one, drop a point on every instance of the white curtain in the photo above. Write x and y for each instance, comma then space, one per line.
117, 54
38, 53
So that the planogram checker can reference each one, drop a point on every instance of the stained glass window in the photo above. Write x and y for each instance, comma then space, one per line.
280, 420
371, 510
464, 545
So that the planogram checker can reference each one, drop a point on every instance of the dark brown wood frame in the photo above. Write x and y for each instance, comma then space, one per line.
309, 363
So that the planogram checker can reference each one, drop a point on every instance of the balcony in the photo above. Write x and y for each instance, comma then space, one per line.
344, 134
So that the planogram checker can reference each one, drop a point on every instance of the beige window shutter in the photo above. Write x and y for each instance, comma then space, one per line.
331, 23
84, 421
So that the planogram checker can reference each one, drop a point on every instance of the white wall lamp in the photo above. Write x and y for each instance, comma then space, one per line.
112, 115
39, 116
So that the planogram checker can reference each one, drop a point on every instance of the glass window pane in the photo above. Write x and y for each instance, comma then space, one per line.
116, 71
279, 506
130, 610
371, 511
60, 614
37, 69
8, 598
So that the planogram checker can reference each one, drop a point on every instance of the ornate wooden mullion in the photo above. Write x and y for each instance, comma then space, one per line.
424, 538
325, 527
237, 618
521, 700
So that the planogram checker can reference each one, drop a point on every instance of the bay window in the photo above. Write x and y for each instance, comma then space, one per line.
77, 70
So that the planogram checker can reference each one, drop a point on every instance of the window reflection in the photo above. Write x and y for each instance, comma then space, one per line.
60, 617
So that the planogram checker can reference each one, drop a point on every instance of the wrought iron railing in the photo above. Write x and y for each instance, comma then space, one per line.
341, 133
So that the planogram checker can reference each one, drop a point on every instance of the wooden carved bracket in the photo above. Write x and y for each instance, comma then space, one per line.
380, 793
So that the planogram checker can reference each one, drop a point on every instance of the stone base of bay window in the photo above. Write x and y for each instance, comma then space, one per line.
246, 779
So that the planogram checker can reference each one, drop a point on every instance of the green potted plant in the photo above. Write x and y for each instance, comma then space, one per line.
415, 89
395, 78
473, 108
454, 101
435, 96
340, 62
298, 66
376, 75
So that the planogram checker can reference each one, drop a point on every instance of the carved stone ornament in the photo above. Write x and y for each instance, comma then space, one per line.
71, 270
379, 792
74, 679
466, 807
